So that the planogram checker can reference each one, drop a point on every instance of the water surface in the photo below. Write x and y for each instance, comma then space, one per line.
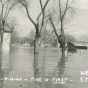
19, 64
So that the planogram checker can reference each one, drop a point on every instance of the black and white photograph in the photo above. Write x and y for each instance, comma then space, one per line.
43, 43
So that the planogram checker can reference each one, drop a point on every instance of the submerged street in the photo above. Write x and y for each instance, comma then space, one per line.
16, 69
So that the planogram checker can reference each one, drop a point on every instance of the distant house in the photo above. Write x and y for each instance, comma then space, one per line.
47, 45
81, 45
78, 45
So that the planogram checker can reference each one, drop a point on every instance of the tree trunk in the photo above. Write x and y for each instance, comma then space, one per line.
61, 40
63, 49
1, 41
63, 44
2, 30
1, 36
36, 49
2, 33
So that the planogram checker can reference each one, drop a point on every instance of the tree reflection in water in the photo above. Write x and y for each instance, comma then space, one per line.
4, 67
39, 72
61, 67
36, 74
1, 73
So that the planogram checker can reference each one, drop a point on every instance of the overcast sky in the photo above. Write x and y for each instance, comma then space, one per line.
80, 23
78, 26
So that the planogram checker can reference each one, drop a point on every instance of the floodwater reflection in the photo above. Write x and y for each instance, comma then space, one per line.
51, 64
4, 68
41, 70
1, 73
61, 70
5, 60
61, 65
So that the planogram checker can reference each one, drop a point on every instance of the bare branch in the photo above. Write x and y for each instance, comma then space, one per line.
60, 10
1, 1
43, 8
12, 24
53, 26
45, 4
9, 10
25, 4
42, 13
71, 9
6, 9
41, 4
66, 8
5, 2
29, 16
43, 16
2, 10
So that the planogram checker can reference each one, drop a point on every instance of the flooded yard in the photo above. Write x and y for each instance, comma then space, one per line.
17, 71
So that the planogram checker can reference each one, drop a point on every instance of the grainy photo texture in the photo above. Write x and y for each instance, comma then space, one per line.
43, 43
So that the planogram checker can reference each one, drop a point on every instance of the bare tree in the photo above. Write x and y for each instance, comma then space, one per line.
64, 8
38, 26
6, 7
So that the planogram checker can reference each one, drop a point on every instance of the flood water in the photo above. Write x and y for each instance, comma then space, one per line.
53, 71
